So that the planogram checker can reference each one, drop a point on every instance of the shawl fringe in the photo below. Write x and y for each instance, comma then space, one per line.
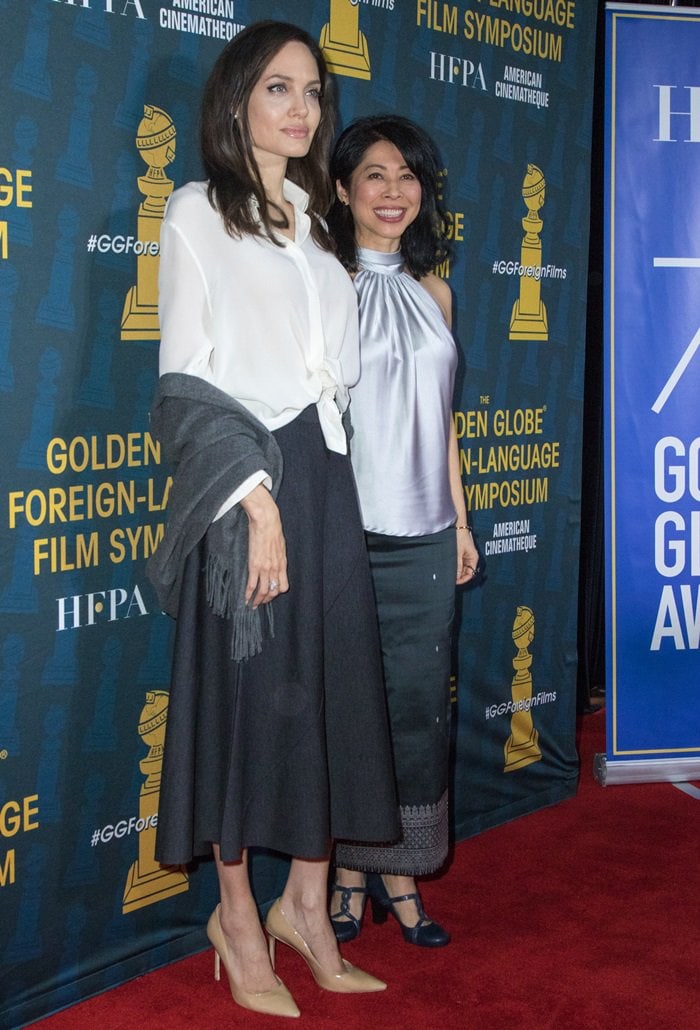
248, 624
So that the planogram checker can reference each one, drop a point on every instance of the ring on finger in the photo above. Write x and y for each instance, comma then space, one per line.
273, 584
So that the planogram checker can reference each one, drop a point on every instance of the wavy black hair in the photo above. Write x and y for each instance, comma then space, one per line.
423, 244
227, 146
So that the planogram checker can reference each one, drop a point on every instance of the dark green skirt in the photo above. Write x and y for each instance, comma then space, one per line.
414, 585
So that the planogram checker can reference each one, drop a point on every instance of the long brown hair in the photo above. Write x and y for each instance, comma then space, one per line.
227, 146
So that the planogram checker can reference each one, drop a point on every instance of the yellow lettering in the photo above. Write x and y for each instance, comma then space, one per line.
18, 815
64, 554
455, 226
31, 809
15, 192
471, 423
10, 819
7, 870
24, 187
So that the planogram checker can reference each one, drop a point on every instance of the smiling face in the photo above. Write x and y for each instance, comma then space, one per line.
384, 197
284, 106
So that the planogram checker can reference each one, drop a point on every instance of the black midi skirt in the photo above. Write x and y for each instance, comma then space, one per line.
289, 749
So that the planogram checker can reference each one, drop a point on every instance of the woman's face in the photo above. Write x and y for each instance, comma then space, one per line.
284, 107
384, 197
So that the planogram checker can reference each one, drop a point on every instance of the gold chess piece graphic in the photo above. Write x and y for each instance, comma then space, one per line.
148, 881
155, 141
522, 748
528, 320
344, 46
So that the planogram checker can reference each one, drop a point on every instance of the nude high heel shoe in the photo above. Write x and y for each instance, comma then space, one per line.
351, 981
275, 1002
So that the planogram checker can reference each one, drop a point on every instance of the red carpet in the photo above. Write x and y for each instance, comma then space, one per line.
583, 916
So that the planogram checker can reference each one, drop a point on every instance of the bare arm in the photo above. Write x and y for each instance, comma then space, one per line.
441, 294
467, 554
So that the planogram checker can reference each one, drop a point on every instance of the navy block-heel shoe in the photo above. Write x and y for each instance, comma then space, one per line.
425, 933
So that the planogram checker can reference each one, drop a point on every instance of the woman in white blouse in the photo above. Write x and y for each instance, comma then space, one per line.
278, 746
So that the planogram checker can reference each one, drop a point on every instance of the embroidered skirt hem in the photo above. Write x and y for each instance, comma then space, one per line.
421, 850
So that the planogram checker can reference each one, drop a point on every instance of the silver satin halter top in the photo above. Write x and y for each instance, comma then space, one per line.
402, 405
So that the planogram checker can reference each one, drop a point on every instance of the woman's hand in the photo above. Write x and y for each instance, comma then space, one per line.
267, 553
467, 555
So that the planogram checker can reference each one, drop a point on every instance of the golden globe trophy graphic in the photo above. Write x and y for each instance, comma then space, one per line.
344, 46
528, 320
148, 881
522, 748
155, 141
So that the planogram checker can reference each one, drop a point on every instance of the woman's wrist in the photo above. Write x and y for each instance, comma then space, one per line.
259, 505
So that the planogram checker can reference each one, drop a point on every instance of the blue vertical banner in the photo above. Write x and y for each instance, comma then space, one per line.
99, 126
652, 382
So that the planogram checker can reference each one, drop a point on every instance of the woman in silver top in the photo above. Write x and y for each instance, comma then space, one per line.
389, 232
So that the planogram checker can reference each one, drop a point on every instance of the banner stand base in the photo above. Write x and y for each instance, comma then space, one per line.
648, 770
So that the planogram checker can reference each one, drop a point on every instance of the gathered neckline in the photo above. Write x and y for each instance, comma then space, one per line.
379, 260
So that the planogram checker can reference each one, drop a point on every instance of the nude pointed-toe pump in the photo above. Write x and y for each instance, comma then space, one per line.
351, 981
275, 1002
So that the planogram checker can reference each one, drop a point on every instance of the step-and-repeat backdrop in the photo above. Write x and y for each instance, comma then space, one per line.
99, 118
652, 374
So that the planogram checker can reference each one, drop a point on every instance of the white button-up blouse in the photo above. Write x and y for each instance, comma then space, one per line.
273, 326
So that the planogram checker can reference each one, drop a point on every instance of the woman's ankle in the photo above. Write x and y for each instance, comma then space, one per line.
397, 886
349, 878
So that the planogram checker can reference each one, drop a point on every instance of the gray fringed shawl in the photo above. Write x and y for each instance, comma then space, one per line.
214, 444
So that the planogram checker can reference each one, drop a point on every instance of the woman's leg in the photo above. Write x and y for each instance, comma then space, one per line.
248, 957
304, 903
397, 887
299, 918
356, 899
